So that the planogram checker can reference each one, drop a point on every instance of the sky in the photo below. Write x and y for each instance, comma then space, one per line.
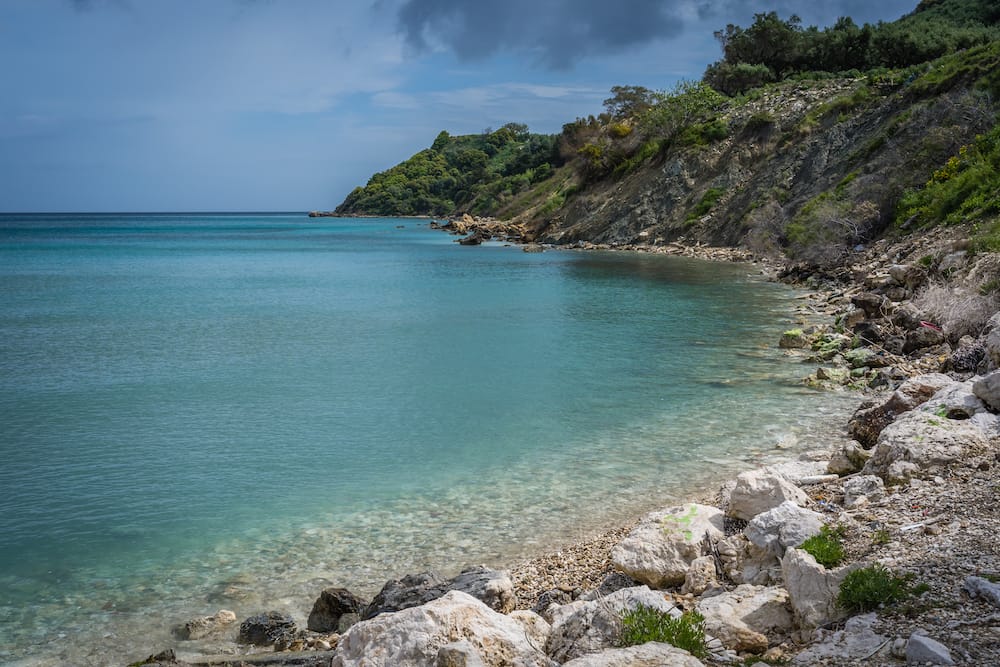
287, 105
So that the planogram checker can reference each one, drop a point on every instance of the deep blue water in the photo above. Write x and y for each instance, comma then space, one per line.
189, 402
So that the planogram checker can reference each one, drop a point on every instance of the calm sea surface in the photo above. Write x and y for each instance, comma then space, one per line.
233, 411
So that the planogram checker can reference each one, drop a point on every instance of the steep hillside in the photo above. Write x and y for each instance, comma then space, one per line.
800, 141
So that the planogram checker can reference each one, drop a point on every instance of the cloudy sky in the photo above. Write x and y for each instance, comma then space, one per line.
211, 105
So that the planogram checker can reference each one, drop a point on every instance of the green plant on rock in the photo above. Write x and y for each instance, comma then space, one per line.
881, 536
871, 587
646, 624
827, 547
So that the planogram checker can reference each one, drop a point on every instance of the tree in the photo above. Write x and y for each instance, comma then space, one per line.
629, 101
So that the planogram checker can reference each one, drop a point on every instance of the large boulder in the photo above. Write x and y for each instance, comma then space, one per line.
920, 442
651, 654
432, 634
870, 419
588, 627
334, 610
743, 618
660, 549
786, 525
812, 589
492, 587
204, 626
758, 491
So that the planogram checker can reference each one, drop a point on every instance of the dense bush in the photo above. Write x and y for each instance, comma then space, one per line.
645, 624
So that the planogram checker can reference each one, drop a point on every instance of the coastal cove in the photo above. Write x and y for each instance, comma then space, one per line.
207, 411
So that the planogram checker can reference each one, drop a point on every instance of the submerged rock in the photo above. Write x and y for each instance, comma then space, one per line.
492, 587
267, 629
199, 628
334, 610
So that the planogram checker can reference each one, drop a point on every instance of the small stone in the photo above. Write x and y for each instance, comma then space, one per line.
921, 650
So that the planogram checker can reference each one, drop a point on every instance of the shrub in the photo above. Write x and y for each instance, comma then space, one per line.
708, 201
645, 624
827, 547
871, 587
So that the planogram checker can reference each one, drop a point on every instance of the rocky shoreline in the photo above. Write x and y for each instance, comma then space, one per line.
912, 486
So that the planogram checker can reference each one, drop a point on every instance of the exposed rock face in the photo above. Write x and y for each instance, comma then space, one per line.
919, 442
490, 586
415, 637
742, 618
199, 628
652, 654
662, 547
868, 422
333, 606
787, 525
758, 491
587, 627
267, 629
812, 588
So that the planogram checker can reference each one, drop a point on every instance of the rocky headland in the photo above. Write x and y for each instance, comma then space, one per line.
907, 496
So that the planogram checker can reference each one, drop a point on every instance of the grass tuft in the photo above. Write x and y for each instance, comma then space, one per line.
645, 624
827, 547
871, 587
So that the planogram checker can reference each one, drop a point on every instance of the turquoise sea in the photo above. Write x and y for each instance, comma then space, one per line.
233, 411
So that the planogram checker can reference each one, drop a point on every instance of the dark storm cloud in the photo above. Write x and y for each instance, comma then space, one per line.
562, 31
558, 32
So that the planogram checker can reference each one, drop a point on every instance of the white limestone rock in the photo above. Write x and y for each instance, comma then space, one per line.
859, 490
848, 458
652, 654
987, 389
786, 525
536, 628
659, 551
812, 588
757, 491
923, 441
922, 650
596, 625
700, 576
856, 641
413, 637
743, 618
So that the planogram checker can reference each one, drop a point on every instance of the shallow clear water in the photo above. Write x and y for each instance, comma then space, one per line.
229, 411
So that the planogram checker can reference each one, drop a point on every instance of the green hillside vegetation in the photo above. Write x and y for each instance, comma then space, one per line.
474, 173
798, 141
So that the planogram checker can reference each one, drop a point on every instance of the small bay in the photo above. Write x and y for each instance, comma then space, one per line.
233, 411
